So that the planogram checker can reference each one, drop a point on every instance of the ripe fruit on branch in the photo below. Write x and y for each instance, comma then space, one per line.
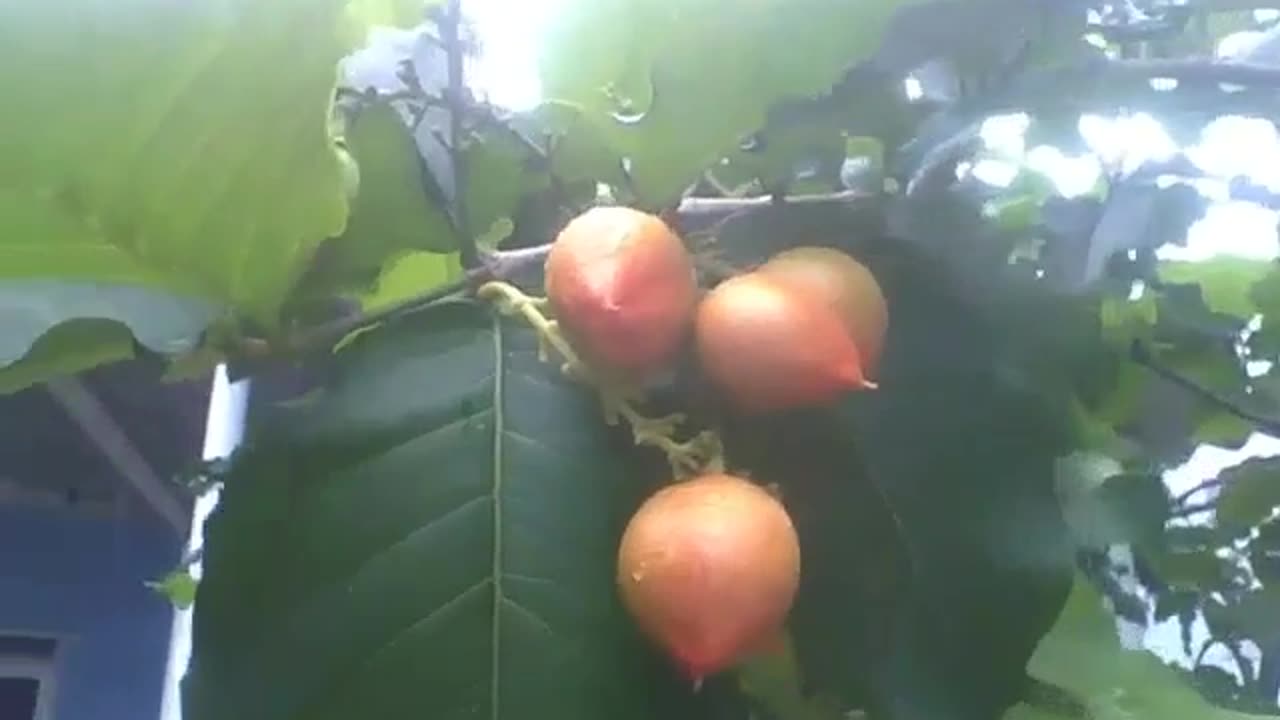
622, 287
769, 347
846, 285
709, 568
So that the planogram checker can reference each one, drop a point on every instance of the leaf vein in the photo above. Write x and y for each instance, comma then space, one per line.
499, 433
414, 534
402, 633
534, 618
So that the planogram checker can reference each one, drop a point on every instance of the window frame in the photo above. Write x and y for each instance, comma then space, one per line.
42, 669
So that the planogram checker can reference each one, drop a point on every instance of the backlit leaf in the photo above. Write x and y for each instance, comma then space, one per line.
172, 147
1083, 655
1225, 281
642, 72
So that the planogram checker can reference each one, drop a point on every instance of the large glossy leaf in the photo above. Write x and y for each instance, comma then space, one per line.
964, 452
673, 85
174, 147
432, 534
1083, 655
855, 566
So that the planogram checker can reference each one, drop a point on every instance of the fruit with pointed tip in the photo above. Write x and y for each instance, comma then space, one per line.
769, 347
622, 286
709, 569
844, 284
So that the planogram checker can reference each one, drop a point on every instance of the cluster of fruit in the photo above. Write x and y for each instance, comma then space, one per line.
800, 330
709, 566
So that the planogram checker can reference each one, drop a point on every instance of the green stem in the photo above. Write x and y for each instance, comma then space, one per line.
702, 453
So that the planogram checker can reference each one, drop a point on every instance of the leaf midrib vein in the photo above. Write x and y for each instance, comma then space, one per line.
498, 435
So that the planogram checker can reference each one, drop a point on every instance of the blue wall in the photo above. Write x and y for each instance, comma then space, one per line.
69, 574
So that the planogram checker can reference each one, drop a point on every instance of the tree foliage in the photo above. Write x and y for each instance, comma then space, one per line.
1003, 528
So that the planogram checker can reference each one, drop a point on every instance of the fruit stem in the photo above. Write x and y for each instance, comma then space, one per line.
701, 453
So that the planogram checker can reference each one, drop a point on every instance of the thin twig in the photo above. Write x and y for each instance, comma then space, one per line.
694, 207
1189, 510
1184, 498
1201, 71
702, 452
451, 36
1139, 353
499, 265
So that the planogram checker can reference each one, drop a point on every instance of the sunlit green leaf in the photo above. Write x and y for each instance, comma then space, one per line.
1125, 320
500, 171
54, 327
392, 210
388, 12
409, 275
178, 587
1225, 281
643, 73
177, 147
69, 348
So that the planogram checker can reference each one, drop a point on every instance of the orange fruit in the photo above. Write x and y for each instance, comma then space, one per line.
622, 286
709, 568
768, 347
845, 285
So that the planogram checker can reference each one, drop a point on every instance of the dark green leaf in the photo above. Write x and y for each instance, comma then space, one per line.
432, 535
1250, 492
1196, 570
1264, 553
855, 566
1105, 506
965, 460
1256, 616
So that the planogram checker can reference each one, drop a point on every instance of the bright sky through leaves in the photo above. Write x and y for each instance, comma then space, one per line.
510, 30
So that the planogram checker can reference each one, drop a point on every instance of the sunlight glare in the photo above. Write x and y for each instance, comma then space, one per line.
996, 173
1006, 134
1125, 143
1071, 176
1233, 145
1232, 229
510, 35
